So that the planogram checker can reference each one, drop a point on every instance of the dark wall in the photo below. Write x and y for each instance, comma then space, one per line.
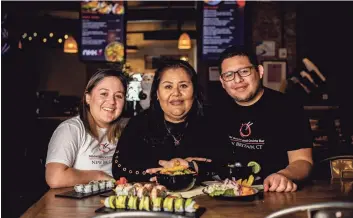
325, 36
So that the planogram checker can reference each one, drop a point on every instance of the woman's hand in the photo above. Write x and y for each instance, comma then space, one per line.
168, 164
277, 182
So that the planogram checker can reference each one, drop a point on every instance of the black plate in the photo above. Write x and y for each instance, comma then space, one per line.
197, 214
177, 183
77, 195
256, 196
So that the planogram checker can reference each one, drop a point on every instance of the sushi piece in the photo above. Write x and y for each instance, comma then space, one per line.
141, 192
162, 191
140, 207
146, 203
179, 205
95, 185
157, 204
121, 202
129, 190
155, 193
190, 205
149, 186
87, 188
168, 204
79, 188
101, 184
137, 185
110, 184
109, 202
132, 203
158, 191
119, 190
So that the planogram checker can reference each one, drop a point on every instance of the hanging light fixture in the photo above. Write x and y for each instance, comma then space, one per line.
70, 45
184, 41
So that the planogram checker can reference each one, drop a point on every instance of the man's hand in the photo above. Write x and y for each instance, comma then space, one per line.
279, 183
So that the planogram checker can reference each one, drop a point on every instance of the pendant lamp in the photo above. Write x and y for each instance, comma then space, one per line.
70, 45
184, 41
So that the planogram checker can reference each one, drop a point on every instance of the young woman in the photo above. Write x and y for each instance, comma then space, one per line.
82, 147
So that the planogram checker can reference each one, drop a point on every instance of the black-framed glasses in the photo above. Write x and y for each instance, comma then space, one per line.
230, 75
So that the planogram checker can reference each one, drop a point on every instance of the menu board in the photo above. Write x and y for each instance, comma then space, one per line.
222, 26
103, 28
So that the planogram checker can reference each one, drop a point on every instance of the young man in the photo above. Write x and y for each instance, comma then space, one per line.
263, 127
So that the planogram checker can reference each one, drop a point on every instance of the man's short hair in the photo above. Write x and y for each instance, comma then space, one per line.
237, 51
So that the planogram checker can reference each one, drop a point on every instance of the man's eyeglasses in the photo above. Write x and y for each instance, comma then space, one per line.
230, 75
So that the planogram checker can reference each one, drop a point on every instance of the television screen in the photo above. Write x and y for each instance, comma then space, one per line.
222, 26
103, 31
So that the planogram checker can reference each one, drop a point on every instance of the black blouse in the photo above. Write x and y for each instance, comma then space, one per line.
146, 140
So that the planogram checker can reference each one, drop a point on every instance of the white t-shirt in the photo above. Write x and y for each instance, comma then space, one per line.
73, 146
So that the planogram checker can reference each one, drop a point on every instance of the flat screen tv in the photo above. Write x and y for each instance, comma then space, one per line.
103, 31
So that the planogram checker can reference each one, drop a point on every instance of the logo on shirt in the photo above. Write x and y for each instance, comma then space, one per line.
245, 130
104, 147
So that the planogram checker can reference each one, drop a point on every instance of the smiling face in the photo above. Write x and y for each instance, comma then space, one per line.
244, 90
175, 94
106, 101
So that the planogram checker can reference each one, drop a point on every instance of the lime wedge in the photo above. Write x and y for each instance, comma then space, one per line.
255, 166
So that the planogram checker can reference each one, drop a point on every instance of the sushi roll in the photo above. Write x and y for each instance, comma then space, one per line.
190, 205
109, 202
179, 205
141, 192
121, 202
168, 204
132, 203
157, 204
119, 190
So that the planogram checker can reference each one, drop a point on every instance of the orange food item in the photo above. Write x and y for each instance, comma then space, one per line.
247, 191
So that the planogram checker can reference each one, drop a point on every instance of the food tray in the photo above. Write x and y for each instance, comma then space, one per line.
78, 195
197, 214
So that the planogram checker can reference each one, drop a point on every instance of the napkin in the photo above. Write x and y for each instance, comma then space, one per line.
197, 190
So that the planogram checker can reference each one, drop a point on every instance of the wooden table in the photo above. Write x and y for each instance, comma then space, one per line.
319, 191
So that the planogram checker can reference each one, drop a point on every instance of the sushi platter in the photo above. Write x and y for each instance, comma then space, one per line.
148, 197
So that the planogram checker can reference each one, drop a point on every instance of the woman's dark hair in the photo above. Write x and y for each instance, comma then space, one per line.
237, 51
166, 64
115, 129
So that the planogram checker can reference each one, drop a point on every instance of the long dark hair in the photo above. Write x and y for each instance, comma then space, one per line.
166, 64
115, 129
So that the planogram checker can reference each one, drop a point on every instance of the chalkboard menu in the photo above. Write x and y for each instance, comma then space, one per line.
103, 31
222, 26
